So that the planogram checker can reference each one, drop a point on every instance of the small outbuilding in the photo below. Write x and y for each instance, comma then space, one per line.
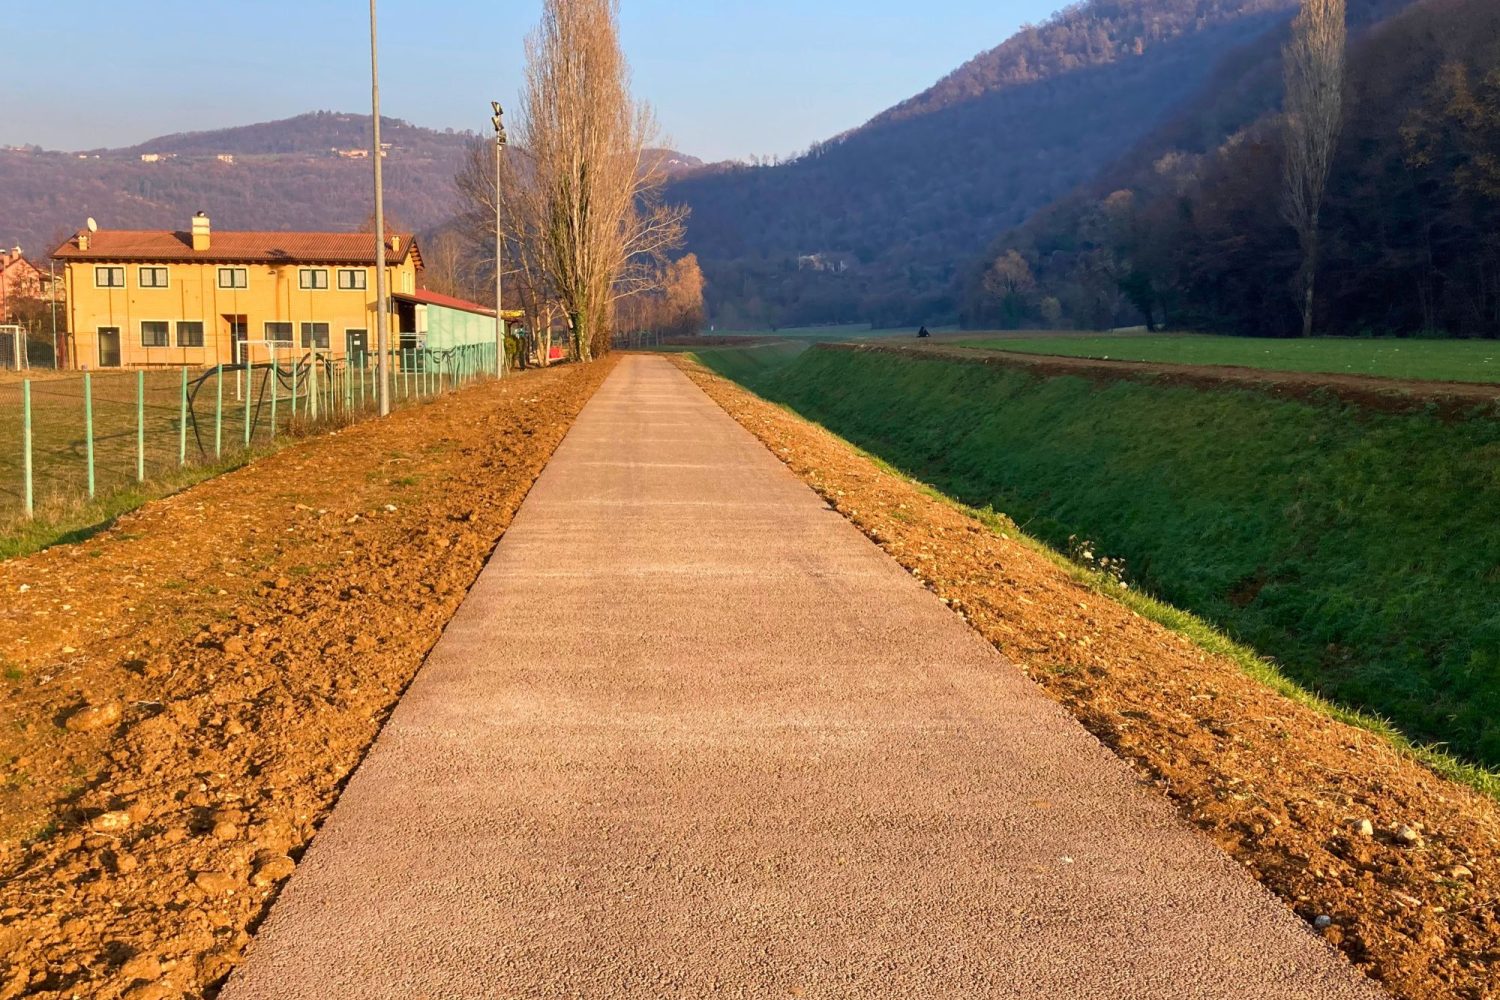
441, 322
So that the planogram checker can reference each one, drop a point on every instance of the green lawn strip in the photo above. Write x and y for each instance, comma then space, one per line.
1357, 548
831, 334
68, 522
1196, 630
59, 441
1434, 360
742, 364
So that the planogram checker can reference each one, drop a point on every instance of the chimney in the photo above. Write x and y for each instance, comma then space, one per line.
201, 239
395, 244
83, 239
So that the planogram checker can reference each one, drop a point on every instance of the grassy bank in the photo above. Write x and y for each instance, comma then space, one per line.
1438, 360
829, 334
1358, 549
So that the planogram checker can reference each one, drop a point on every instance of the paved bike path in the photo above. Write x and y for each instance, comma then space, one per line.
693, 735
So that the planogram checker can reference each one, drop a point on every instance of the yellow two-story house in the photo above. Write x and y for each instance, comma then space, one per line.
201, 298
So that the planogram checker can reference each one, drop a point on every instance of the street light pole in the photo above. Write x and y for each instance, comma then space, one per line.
52, 296
382, 299
500, 140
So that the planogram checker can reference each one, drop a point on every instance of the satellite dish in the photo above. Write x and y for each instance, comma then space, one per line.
93, 226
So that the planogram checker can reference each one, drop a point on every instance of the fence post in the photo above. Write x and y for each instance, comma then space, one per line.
295, 365
88, 426
26, 445
249, 391
275, 377
182, 423
312, 388
219, 415
140, 425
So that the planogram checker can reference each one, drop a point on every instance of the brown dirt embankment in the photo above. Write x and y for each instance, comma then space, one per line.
1389, 395
1413, 897
186, 694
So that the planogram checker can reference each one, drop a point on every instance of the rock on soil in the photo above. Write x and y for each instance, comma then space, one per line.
197, 682
92, 717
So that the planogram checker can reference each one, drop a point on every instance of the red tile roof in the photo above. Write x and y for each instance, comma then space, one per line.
236, 248
427, 298
424, 297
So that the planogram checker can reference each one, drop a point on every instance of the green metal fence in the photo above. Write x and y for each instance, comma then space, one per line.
71, 437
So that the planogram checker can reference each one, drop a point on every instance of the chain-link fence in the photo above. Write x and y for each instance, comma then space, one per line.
71, 437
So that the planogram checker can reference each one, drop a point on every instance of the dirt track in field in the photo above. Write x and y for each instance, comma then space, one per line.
1386, 394
186, 693
1280, 787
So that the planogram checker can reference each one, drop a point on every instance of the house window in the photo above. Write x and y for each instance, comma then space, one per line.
352, 280
154, 333
312, 278
109, 277
153, 277
234, 277
279, 333
190, 334
315, 335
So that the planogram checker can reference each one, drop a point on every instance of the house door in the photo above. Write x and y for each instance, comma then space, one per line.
239, 333
109, 347
356, 343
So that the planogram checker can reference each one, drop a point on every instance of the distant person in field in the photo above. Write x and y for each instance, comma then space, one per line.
922, 333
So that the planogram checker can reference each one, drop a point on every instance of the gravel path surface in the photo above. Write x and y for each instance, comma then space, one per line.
692, 734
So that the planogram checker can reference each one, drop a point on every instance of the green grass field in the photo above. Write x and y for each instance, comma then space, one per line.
216, 439
1437, 360
1358, 549
829, 334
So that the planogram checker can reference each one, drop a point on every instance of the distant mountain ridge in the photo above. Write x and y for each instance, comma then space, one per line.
1077, 37
314, 132
311, 171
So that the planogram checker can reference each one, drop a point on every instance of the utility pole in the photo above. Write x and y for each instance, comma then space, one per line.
382, 297
52, 297
500, 141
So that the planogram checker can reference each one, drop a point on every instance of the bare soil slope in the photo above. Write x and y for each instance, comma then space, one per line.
186, 694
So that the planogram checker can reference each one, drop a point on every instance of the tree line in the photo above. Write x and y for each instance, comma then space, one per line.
1366, 204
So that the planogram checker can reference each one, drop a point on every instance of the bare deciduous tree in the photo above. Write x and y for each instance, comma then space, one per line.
522, 214
673, 309
1314, 68
603, 231
448, 267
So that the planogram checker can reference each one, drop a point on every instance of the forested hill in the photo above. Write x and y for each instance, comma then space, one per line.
1093, 34
881, 223
1185, 231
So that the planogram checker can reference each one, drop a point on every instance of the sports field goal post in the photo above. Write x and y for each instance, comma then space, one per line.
13, 349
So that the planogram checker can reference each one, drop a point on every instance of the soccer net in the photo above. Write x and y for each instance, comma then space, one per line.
13, 349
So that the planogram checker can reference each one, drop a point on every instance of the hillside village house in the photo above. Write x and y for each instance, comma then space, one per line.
202, 298
20, 281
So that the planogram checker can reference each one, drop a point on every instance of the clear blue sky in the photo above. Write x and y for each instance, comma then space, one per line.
729, 78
